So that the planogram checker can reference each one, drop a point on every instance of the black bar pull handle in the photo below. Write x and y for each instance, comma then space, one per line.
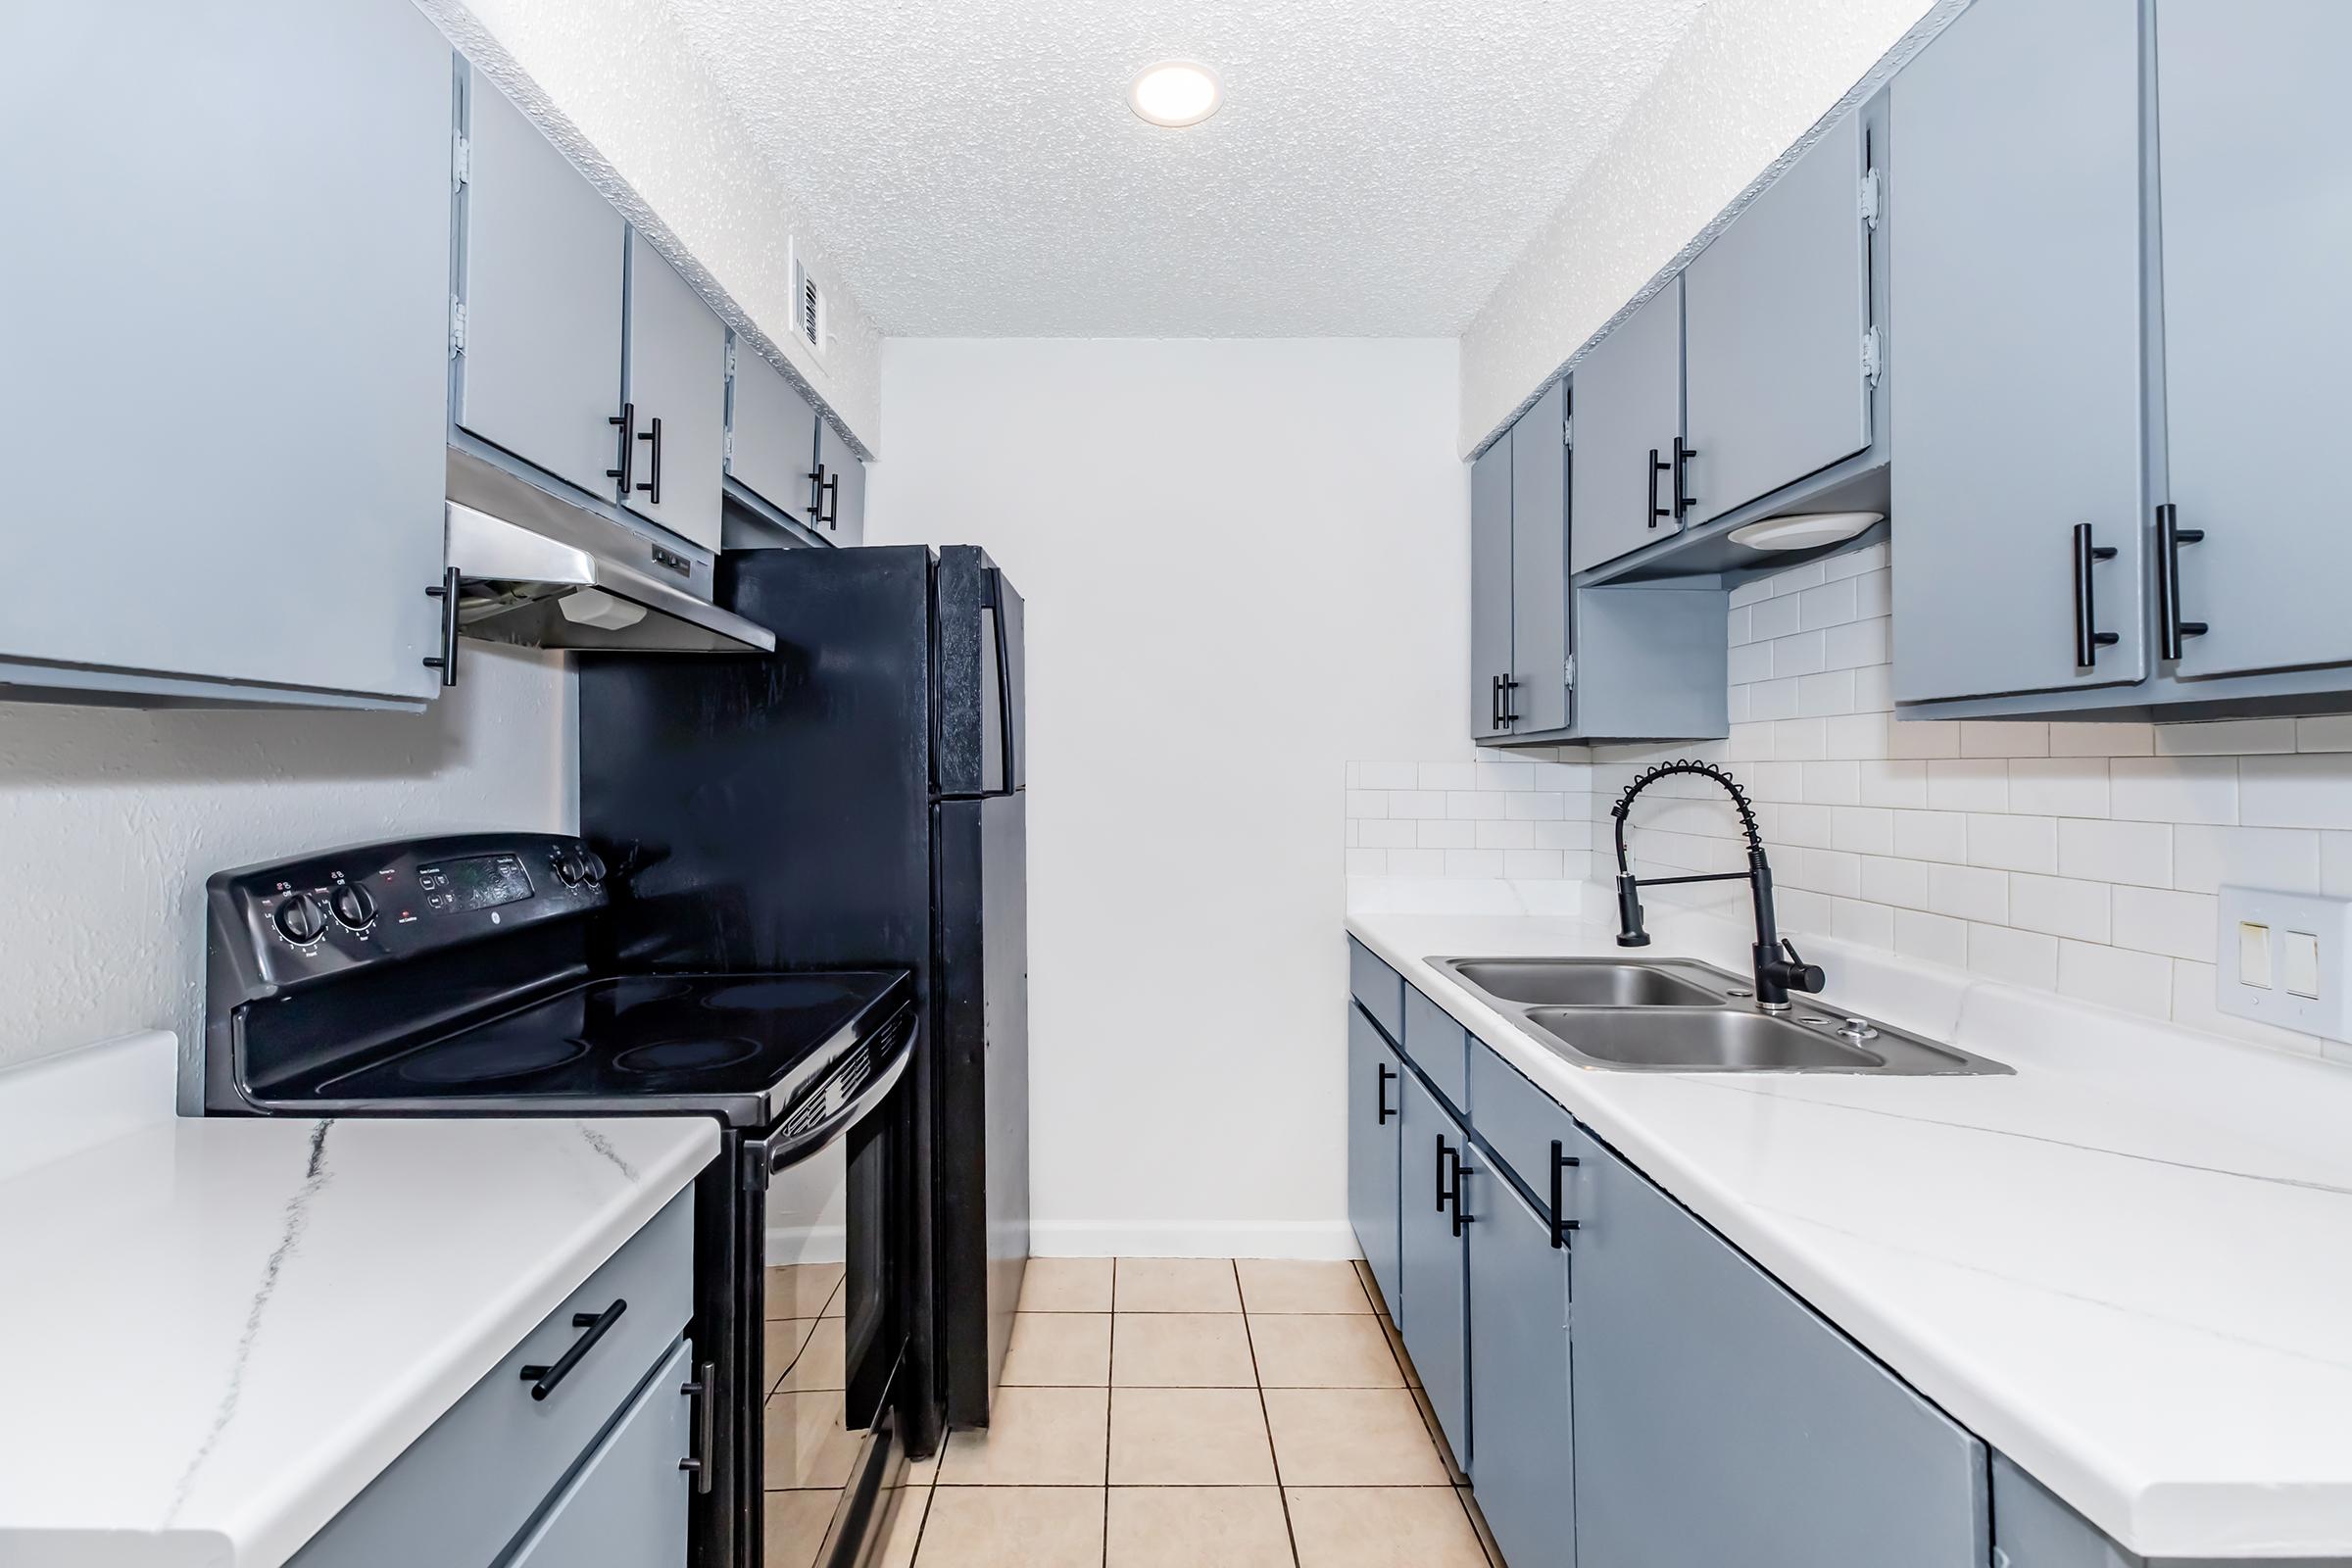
1683, 500
544, 1379
652, 434
699, 1464
446, 590
625, 421
1494, 701
1510, 703
2170, 537
1381, 1089
1443, 1155
2089, 639
1461, 1219
825, 498
1561, 1224
1657, 466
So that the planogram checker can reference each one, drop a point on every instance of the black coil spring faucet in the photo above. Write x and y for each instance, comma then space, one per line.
1776, 976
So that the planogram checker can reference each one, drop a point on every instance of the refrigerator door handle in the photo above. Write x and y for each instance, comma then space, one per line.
1004, 627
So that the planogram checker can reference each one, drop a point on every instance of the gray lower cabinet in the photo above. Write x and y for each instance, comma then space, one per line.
1629, 418
2017, 408
677, 394
2255, 188
1539, 693
1491, 589
540, 373
1719, 1420
1432, 1274
1774, 314
1519, 1375
771, 434
1375, 1119
626, 1508
227, 350
840, 511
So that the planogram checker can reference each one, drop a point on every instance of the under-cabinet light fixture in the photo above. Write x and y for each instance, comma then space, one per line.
1803, 531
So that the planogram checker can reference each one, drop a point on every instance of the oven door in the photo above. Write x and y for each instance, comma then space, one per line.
828, 1199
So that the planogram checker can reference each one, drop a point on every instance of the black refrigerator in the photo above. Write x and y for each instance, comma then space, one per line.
854, 800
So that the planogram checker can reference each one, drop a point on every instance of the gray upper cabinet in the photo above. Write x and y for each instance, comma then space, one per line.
1629, 416
540, 376
1519, 1376
2256, 215
676, 395
771, 434
1720, 1421
1434, 1282
2014, 272
227, 350
840, 513
1491, 590
1375, 1115
1773, 313
1539, 700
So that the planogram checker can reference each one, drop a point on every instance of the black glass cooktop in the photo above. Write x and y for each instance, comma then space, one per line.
738, 1046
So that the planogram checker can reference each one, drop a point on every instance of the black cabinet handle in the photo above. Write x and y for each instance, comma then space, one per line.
2170, 537
1494, 701
1657, 466
626, 421
1386, 1072
446, 590
1461, 1219
2089, 639
1510, 704
825, 498
1443, 1155
1561, 1225
653, 433
698, 1464
1683, 500
544, 1379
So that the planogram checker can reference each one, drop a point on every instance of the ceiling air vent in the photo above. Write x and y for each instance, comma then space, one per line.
809, 305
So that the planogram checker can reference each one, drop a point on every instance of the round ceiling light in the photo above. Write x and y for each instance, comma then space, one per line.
1175, 92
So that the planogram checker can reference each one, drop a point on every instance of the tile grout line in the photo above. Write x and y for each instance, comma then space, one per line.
1111, 1351
1282, 1494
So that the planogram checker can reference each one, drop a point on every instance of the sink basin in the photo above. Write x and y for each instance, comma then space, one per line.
1594, 982
1726, 1039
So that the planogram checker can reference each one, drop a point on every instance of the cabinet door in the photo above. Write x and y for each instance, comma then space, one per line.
772, 449
540, 375
1526, 1472
626, 1507
1539, 565
677, 376
1489, 586
2013, 273
226, 345
1629, 411
842, 518
1435, 1318
2253, 123
1773, 315
2033, 1529
1721, 1421
1375, 1117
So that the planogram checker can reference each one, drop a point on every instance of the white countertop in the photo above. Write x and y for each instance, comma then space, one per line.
217, 1332
2128, 1267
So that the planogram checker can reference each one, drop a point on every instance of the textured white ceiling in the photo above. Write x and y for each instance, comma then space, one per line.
974, 168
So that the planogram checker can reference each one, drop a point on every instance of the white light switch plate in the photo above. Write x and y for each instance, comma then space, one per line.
2297, 924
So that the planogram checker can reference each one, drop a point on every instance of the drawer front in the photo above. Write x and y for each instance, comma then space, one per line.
1437, 1046
1519, 1122
1378, 987
466, 1488
626, 1508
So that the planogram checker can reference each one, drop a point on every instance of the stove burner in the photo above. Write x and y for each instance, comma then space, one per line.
477, 1061
796, 991
690, 1053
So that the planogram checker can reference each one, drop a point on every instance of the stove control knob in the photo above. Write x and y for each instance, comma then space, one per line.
593, 868
570, 870
301, 919
353, 907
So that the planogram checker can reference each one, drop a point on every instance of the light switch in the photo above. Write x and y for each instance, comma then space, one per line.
2299, 959
2253, 954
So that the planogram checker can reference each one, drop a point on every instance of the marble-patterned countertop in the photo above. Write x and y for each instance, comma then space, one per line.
214, 1332
2128, 1266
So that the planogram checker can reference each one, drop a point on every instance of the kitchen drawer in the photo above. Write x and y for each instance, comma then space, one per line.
626, 1508
1378, 987
1519, 1122
468, 1487
1437, 1046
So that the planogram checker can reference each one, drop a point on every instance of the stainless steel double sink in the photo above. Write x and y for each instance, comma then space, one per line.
1679, 1016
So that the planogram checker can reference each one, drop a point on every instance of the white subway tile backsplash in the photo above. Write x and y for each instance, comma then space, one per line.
1798, 740
1512, 835
1855, 563
1833, 783
2019, 958
1863, 829
1381, 775
1507, 775
1858, 643
1751, 592
2323, 732
1971, 784
2179, 925
2000, 738
1773, 699
1928, 738
2175, 789
1445, 834
1934, 938
1473, 863
1968, 892
1539, 865
1903, 884
2314, 790
1443, 776
1831, 604
1937, 836
1386, 833
2115, 977
2059, 786
1873, 689
1772, 617
1894, 783
1367, 802
1830, 693
2102, 740
2059, 906
1367, 862
1537, 806
2139, 853
1874, 594
1417, 862
2234, 737
1476, 804
2013, 843
2206, 858
1798, 655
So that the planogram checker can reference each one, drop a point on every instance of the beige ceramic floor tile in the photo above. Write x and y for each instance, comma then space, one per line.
1188, 1438
785, 1336
1058, 1350
1012, 1526
1067, 1285
1285, 1284
820, 1363
923, 1472
793, 1529
1035, 1438
1323, 1350
1405, 1358
906, 1528
802, 1290
1181, 1351
806, 1443
1352, 1438
1175, 1285
1195, 1527
1436, 1434
1478, 1522
1363, 1274
1382, 1526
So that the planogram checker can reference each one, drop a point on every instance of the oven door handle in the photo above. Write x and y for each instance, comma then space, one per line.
897, 1037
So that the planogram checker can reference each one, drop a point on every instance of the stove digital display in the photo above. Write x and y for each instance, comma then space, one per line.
481, 883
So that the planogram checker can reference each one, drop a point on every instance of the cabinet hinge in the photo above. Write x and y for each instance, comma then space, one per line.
1568, 433
1871, 356
461, 159
727, 450
1568, 672
456, 326
1870, 199
730, 358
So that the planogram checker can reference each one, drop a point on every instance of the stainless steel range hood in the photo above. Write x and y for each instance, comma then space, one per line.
539, 572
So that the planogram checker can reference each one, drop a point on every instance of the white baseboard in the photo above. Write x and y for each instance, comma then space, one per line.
819, 1244
1304, 1239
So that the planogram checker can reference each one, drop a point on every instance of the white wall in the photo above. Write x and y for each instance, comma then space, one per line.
1243, 568
113, 818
